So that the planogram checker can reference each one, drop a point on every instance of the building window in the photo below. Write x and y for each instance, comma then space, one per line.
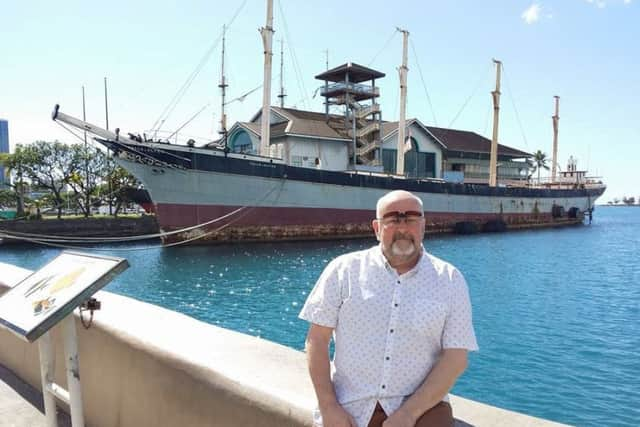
296, 161
241, 142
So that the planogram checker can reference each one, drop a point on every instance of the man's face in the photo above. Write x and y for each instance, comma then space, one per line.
399, 229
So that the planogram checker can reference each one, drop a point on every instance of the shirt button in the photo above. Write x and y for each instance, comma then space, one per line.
398, 282
395, 305
384, 386
391, 331
387, 358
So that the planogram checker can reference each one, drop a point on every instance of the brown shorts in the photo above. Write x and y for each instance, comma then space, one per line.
438, 416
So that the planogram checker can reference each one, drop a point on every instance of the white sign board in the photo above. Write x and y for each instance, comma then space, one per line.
47, 296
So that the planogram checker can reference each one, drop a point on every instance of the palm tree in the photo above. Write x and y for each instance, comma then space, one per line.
540, 162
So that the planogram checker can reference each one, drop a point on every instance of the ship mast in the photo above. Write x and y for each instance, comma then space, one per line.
403, 104
265, 121
493, 163
282, 94
223, 90
554, 159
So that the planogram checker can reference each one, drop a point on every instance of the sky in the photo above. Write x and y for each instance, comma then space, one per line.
585, 51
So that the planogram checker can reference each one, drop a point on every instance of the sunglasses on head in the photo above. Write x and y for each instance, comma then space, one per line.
395, 217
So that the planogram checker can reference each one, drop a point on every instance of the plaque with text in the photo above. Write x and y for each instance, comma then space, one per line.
42, 299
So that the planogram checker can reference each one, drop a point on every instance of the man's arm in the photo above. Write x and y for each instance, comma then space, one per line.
450, 365
317, 347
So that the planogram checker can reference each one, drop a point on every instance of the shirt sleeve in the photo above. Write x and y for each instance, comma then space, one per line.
458, 329
324, 301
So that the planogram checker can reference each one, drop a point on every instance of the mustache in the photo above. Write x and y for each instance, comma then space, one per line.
402, 236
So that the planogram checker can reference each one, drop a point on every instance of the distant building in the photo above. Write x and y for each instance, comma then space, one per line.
4, 147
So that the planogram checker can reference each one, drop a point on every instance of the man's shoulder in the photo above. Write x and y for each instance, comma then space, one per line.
356, 257
441, 267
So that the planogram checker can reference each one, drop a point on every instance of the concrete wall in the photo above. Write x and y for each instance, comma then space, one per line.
333, 155
142, 365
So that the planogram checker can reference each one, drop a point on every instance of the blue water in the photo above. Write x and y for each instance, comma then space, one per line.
556, 312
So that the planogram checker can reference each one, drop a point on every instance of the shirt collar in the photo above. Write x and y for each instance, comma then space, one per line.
383, 261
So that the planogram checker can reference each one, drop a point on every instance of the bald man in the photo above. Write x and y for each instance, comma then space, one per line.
401, 323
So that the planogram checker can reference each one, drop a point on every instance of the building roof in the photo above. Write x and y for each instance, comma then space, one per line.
357, 73
315, 124
458, 140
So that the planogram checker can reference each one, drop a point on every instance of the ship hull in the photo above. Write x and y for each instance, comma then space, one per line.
240, 198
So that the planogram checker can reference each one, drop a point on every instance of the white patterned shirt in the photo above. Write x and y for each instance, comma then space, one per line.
389, 329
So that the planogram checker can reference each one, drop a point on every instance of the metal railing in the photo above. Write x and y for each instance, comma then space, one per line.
350, 87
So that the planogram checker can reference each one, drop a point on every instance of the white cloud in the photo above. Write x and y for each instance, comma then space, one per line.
627, 1
532, 14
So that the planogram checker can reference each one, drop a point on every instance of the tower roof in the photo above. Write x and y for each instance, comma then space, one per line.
357, 73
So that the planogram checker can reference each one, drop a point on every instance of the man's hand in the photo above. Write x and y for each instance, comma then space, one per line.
334, 415
400, 418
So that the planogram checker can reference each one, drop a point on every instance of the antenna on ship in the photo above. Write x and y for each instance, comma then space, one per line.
223, 90
554, 159
403, 104
282, 94
493, 163
265, 121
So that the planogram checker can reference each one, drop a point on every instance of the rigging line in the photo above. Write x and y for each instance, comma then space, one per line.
524, 137
242, 97
178, 96
424, 85
167, 165
187, 122
486, 118
386, 44
233, 221
58, 238
294, 57
473, 93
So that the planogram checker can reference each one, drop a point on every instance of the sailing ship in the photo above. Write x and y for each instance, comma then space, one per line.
289, 174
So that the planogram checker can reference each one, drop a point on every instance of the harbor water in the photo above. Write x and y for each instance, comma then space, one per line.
556, 312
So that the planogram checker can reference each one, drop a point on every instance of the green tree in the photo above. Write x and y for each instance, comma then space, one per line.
14, 164
91, 170
8, 199
540, 160
120, 181
48, 165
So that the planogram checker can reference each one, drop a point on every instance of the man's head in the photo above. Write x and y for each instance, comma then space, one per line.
399, 226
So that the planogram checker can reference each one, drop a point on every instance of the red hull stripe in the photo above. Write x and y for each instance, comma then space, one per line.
172, 216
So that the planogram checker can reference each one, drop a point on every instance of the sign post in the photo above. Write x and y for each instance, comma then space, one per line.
48, 297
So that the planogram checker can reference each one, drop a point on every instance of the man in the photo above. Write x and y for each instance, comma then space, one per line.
401, 323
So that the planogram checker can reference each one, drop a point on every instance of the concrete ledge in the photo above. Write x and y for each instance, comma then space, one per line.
143, 365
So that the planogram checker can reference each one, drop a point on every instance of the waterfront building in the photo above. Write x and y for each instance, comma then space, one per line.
308, 139
356, 137
4, 148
